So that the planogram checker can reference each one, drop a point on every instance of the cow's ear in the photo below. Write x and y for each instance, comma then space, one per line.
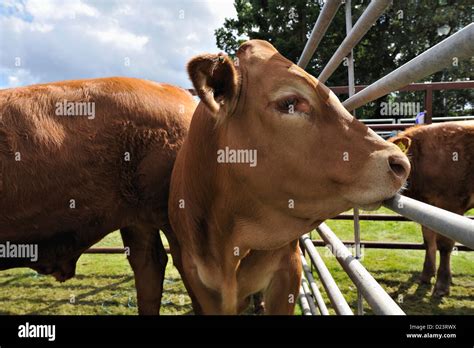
403, 143
215, 80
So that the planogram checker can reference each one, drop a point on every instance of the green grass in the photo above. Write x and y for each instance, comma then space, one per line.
104, 283
397, 271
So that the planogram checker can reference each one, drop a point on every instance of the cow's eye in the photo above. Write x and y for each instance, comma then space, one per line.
288, 105
292, 104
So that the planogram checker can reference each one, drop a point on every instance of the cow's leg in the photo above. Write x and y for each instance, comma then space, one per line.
429, 267
282, 293
445, 246
175, 251
148, 260
443, 278
209, 300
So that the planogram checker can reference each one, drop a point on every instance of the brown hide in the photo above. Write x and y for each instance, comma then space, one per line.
67, 181
442, 160
238, 223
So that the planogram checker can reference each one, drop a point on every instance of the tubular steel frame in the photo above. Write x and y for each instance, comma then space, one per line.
459, 46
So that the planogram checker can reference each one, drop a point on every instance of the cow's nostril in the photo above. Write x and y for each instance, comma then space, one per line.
399, 166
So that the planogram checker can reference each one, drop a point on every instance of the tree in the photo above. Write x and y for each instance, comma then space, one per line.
404, 31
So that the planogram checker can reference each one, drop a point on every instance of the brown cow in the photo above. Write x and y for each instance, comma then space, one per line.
67, 178
442, 158
270, 154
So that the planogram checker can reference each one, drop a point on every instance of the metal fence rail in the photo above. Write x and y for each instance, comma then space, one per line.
320, 27
459, 228
318, 298
362, 26
381, 217
458, 46
374, 294
450, 225
389, 245
334, 293
366, 244
304, 302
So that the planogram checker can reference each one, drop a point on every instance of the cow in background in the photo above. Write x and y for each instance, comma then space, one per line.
442, 160
80, 159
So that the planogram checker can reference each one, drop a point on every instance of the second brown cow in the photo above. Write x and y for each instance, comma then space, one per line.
442, 159
80, 159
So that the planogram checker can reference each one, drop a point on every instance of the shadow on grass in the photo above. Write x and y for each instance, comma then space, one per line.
81, 297
421, 300
177, 307
374, 270
15, 278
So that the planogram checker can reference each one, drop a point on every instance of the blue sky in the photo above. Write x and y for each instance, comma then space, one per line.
52, 40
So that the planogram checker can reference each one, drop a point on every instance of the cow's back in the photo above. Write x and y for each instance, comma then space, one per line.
70, 173
442, 158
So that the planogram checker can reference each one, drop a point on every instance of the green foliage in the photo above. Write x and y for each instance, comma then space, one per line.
404, 31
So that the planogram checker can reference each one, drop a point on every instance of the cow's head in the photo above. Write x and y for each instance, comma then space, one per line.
310, 150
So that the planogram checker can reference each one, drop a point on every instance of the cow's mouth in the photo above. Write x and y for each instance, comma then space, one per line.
370, 206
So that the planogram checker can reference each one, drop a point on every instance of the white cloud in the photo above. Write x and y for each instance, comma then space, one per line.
119, 38
192, 37
73, 39
18, 25
43, 10
18, 77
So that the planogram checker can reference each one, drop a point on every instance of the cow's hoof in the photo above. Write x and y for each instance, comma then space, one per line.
425, 279
440, 291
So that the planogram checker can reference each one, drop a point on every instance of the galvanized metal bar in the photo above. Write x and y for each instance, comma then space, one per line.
350, 56
367, 244
360, 300
309, 297
334, 293
423, 86
320, 27
105, 251
390, 245
375, 295
389, 127
351, 84
314, 287
380, 217
372, 217
429, 106
362, 26
458, 46
451, 225
304, 302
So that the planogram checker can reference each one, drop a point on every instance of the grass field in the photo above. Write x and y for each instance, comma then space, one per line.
104, 283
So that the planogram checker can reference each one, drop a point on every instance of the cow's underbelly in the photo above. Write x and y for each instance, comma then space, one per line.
56, 255
62, 235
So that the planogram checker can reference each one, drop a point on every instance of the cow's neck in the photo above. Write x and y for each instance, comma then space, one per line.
223, 213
